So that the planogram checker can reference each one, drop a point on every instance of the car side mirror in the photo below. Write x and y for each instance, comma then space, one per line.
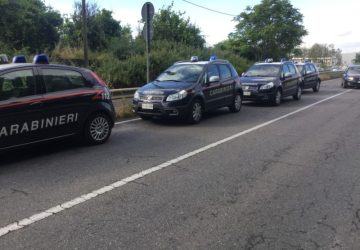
214, 79
243, 73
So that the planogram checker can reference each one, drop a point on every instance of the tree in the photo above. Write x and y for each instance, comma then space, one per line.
357, 58
272, 28
29, 24
101, 26
172, 26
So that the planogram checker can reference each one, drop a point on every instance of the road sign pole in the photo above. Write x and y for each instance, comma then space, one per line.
147, 13
148, 20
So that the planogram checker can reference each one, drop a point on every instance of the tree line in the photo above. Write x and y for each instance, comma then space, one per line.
271, 29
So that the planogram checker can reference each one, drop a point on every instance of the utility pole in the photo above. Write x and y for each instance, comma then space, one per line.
85, 38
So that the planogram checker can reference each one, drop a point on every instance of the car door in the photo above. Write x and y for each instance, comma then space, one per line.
313, 75
211, 87
227, 84
286, 80
21, 108
293, 80
67, 100
307, 76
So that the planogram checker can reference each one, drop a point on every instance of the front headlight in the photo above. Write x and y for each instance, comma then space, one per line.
177, 96
267, 86
350, 78
136, 96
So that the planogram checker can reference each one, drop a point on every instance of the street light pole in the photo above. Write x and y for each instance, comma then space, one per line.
85, 38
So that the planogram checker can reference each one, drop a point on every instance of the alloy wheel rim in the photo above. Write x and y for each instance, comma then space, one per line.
99, 128
278, 97
197, 111
237, 102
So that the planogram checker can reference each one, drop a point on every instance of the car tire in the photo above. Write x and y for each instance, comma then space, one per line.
316, 88
237, 104
196, 112
277, 98
344, 85
97, 129
298, 94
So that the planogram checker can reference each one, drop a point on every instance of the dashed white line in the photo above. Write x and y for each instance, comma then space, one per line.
83, 198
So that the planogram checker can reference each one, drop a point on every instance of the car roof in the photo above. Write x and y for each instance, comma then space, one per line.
203, 62
20, 65
273, 63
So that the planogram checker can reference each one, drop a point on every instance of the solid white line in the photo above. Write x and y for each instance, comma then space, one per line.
127, 121
83, 198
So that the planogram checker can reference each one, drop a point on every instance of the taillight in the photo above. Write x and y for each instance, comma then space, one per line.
102, 95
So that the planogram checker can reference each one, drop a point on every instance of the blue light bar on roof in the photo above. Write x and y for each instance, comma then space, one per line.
41, 59
212, 58
19, 59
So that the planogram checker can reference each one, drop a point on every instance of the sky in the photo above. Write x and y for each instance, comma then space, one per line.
327, 21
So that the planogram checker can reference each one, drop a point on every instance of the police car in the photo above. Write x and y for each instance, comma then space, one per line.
188, 89
272, 81
41, 102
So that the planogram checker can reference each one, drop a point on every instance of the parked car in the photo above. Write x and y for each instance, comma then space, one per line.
351, 77
271, 81
311, 76
187, 89
40, 102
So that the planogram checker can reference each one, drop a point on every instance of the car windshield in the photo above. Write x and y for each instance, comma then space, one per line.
181, 73
354, 70
263, 70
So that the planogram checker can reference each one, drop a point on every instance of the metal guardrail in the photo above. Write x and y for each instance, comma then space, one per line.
127, 93
124, 93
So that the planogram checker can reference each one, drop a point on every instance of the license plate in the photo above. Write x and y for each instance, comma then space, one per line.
147, 106
247, 93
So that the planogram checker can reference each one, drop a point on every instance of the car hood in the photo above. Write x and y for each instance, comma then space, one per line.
166, 87
256, 80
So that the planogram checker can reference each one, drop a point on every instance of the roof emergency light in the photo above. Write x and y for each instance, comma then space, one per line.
3, 59
19, 59
212, 58
194, 59
41, 59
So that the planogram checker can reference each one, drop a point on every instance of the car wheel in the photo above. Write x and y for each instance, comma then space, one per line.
297, 96
316, 88
237, 104
344, 85
97, 129
196, 112
277, 98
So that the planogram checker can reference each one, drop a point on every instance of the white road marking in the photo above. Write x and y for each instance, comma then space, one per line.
83, 198
127, 121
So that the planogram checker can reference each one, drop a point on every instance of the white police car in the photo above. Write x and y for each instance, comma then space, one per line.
41, 102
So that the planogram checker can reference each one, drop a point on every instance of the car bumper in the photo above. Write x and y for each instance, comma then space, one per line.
355, 84
258, 96
161, 109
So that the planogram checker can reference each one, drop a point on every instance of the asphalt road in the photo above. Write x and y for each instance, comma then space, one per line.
280, 180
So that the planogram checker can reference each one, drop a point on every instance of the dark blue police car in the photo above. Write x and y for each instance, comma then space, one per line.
351, 77
41, 102
189, 88
272, 81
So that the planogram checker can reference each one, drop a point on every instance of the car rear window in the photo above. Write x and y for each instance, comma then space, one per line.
62, 79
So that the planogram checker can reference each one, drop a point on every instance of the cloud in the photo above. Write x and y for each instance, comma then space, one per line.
348, 33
